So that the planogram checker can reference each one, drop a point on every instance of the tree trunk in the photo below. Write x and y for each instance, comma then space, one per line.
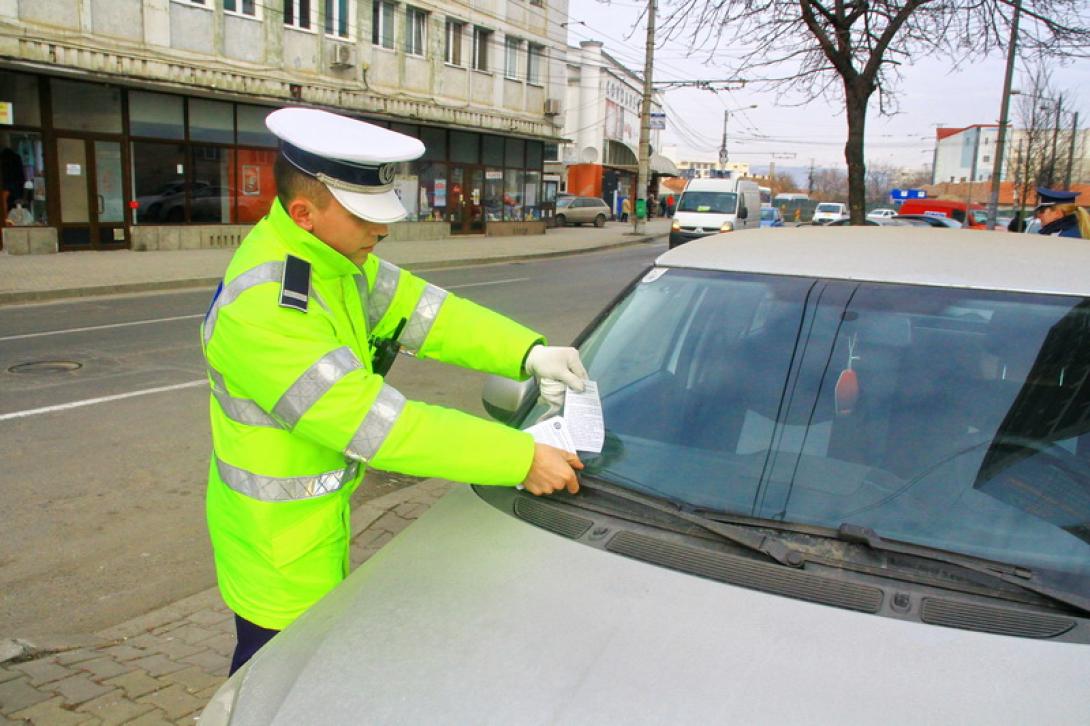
855, 104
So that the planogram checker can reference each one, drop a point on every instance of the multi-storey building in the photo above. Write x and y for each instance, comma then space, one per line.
602, 127
968, 154
140, 123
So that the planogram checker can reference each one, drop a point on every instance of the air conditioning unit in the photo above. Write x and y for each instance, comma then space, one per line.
342, 56
552, 106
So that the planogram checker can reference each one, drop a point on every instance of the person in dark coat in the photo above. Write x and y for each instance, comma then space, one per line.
1060, 216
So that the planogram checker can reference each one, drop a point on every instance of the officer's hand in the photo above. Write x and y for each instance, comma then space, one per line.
555, 369
553, 469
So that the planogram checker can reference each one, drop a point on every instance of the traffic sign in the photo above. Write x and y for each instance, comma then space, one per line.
723, 158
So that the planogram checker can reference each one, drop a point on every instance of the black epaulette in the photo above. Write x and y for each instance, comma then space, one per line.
295, 284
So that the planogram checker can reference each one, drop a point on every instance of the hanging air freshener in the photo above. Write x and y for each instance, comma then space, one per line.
847, 383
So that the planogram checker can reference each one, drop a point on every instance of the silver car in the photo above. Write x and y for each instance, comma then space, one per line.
577, 210
846, 478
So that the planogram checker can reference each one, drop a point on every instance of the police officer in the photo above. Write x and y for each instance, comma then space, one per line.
1059, 215
297, 408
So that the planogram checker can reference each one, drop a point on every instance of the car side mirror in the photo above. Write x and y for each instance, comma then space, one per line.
743, 212
504, 399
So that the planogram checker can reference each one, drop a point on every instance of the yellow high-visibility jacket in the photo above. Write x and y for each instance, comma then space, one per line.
297, 413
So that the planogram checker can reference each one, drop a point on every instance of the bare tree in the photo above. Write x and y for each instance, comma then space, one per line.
880, 178
830, 185
782, 183
853, 49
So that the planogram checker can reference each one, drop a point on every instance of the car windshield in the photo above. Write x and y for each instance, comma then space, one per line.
980, 216
565, 201
957, 419
828, 207
709, 202
768, 215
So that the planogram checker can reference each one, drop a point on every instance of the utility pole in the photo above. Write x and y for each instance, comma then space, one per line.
723, 156
1004, 107
1055, 139
645, 120
1071, 150
810, 184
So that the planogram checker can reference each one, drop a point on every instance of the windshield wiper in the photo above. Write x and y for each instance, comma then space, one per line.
1058, 587
750, 539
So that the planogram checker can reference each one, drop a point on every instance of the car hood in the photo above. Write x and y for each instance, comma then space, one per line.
472, 616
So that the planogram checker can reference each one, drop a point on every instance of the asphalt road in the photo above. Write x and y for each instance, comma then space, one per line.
104, 435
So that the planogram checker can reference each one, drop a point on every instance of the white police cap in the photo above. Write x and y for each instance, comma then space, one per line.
354, 159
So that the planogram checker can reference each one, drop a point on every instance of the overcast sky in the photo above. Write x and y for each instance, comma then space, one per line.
930, 95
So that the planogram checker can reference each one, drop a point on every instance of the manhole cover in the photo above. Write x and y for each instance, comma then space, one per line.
46, 366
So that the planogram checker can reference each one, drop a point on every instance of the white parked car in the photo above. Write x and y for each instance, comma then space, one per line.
845, 479
826, 212
879, 214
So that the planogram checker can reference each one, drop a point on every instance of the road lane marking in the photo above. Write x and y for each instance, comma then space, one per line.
101, 399
480, 284
100, 327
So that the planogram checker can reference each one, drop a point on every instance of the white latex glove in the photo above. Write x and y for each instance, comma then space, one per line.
556, 369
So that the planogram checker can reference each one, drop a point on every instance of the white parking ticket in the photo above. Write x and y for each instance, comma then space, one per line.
553, 432
583, 414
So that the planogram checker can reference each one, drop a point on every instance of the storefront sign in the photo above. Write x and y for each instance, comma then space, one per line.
73, 169
493, 174
440, 193
7, 113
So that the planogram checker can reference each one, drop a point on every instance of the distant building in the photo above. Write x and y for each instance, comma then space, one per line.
599, 156
964, 155
140, 123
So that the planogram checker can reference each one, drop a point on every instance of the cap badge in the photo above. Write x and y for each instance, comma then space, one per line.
386, 174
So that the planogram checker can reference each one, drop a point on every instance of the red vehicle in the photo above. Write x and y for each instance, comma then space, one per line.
973, 216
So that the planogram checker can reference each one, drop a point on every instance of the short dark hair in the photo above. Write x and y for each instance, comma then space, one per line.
292, 183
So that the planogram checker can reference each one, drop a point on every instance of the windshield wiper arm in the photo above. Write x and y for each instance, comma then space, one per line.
1053, 588
750, 539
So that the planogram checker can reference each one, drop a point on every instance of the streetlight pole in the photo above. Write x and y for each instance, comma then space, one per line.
1004, 108
1055, 138
1071, 149
645, 121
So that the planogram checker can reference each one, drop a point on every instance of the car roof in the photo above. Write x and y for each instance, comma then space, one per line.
909, 255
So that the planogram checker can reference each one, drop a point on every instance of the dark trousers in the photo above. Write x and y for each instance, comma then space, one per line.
250, 639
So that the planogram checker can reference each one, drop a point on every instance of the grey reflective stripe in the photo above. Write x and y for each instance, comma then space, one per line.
313, 384
239, 410
420, 322
385, 286
376, 424
267, 272
284, 489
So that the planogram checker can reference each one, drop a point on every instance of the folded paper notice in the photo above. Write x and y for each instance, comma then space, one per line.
554, 432
583, 414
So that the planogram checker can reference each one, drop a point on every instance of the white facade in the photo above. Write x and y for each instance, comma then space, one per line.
964, 155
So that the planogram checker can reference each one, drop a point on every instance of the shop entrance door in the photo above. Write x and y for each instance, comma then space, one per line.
92, 200
464, 190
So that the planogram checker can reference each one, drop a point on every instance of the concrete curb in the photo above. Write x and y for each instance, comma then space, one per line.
30, 296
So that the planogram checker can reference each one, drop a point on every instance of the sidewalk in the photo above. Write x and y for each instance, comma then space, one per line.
162, 667
29, 278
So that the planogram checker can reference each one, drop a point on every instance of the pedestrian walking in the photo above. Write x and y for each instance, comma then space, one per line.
670, 203
297, 339
1059, 215
626, 209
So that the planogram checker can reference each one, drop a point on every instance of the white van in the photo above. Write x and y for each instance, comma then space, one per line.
830, 212
711, 206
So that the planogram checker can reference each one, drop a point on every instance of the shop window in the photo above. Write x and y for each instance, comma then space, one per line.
86, 107
533, 154
298, 14
515, 152
552, 152
465, 147
22, 175
431, 179
513, 195
382, 24
156, 115
435, 143
255, 188
493, 195
21, 91
531, 202
534, 56
492, 150
213, 189
212, 121
338, 17
158, 182
251, 126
